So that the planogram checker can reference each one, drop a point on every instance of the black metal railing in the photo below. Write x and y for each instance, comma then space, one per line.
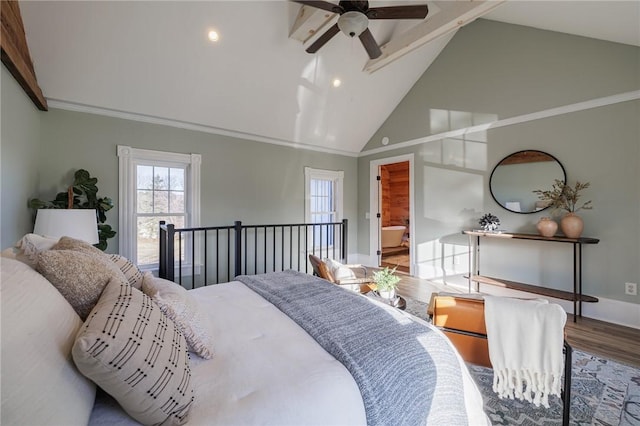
209, 255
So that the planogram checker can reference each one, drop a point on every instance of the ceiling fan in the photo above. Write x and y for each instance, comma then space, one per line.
354, 20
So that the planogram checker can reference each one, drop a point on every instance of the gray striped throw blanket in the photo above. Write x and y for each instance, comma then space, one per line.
398, 365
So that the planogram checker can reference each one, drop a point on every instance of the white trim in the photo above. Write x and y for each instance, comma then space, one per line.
614, 311
335, 175
127, 158
144, 118
125, 200
552, 112
374, 230
580, 106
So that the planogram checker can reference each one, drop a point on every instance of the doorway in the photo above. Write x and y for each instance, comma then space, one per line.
391, 212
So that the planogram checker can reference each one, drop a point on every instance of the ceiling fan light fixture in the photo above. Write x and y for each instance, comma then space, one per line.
353, 23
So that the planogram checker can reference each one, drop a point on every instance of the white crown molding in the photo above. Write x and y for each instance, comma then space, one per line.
76, 107
552, 112
566, 109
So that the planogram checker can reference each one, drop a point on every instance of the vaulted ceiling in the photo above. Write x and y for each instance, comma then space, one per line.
152, 60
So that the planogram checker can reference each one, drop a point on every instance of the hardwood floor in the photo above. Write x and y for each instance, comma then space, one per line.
600, 338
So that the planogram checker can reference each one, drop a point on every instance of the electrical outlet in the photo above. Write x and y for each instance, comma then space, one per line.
631, 289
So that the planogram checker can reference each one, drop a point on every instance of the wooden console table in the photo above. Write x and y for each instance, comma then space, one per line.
576, 296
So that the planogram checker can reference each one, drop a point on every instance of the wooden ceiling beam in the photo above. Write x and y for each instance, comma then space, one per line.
309, 21
15, 52
450, 16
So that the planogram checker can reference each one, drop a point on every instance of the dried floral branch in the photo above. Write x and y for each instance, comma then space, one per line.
564, 197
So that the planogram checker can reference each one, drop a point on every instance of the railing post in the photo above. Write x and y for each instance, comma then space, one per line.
162, 267
343, 243
170, 261
237, 225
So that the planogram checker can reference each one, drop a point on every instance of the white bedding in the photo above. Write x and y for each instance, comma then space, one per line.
265, 370
268, 370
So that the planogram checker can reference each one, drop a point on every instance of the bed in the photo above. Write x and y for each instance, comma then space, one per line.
266, 368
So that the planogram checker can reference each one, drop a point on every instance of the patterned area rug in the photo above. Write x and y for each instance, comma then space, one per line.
603, 392
416, 308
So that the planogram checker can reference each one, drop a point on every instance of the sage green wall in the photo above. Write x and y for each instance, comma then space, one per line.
241, 180
20, 137
492, 71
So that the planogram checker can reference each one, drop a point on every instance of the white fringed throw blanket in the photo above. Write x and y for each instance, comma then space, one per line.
525, 347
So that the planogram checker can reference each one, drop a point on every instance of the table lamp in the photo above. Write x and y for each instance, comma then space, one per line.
80, 224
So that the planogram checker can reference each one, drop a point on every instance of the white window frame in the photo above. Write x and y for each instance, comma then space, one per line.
128, 159
337, 176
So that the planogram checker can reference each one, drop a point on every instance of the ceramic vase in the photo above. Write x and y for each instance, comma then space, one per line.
572, 225
547, 227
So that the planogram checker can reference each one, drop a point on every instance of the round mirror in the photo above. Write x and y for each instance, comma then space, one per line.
514, 179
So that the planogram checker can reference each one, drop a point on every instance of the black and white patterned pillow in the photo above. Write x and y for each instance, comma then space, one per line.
131, 271
129, 348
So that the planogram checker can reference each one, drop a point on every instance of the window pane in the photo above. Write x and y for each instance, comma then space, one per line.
176, 202
177, 179
144, 177
147, 237
161, 201
322, 196
144, 201
161, 178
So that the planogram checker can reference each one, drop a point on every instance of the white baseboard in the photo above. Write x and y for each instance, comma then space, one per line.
614, 311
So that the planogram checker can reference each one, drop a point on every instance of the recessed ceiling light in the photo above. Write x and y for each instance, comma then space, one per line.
336, 82
213, 36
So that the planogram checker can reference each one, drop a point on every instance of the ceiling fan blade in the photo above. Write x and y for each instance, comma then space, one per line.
324, 5
370, 44
398, 12
323, 39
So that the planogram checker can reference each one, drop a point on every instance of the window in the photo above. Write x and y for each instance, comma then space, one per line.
323, 201
155, 186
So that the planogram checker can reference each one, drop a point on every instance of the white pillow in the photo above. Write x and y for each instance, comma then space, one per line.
30, 245
40, 383
338, 270
176, 302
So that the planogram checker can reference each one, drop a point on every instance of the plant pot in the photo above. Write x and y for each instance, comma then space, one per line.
387, 294
572, 225
547, 227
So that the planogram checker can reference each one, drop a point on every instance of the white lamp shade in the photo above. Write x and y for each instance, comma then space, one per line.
80, 224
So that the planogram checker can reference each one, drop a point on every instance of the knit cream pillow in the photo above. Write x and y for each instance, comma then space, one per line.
176, 302
80, 277
68, 243
129, 348
130, 271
